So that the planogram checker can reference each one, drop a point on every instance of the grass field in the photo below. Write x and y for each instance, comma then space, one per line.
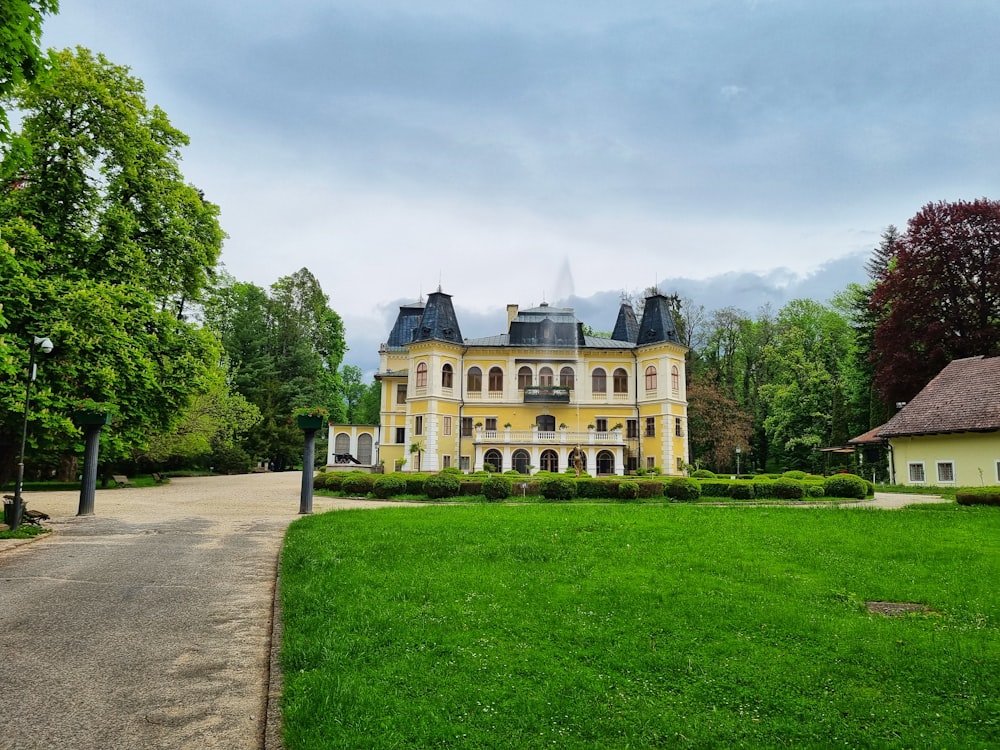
635, 626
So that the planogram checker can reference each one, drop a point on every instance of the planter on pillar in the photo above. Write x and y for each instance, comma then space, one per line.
308, 420
83, 419
309, 423
91, 416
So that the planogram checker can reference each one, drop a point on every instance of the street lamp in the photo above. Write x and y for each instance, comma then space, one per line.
738, 452
45, 346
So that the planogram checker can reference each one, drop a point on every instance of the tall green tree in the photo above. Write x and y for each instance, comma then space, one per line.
20, 44
87, 246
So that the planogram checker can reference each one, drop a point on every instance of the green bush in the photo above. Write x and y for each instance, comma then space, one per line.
513, 473
978, 496
358, 484
814, 490
471, 487
628, 490
230, 459
596, 488
558, 488
741, 491
319, 481
334, 481
716, 489
845, 485
650, 488
787, 488
683, 489
452, 470
415, 484
703, 474
814, 478
389, 485
441, 485
763, 489
796, 474
496, 488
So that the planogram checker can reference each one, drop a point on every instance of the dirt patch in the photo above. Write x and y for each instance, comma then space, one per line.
894, 609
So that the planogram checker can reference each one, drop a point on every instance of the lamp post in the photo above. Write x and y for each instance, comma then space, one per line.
738, 452
45, 346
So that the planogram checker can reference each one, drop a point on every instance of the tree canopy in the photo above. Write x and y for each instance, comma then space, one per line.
20, 39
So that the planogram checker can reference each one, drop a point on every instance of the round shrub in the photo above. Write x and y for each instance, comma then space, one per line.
512, 473
814, 490
628, 490
441, 485
703, 474
415, 484
357, 484
595, 489
795, 475
741, 491
334, 481
496, 487
978, 496
682, 489
787, 488
230, 459
558, 488
319, 481
845, 485
452, 470
389, 485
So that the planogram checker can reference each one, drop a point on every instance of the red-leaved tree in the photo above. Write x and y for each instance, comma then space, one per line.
938, 297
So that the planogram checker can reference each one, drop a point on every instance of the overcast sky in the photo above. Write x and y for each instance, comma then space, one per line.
740, 150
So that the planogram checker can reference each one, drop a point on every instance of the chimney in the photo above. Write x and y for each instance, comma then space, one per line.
511, 314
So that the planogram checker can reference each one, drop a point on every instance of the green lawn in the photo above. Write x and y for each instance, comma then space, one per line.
634, 626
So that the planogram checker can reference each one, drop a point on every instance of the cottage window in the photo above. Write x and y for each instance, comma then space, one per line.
946, 472
916, 473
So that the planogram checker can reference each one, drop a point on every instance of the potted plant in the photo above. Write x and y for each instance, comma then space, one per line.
87, 411
310, 417
506, 425
562, 425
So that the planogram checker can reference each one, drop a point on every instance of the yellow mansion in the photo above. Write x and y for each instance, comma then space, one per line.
529, 398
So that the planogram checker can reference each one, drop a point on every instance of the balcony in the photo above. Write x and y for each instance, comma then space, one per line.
546, 394
544, 437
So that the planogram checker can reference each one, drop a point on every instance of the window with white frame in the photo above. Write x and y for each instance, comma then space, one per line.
446, 425
599, 381
945, 472
421, 375
463, 463
916, 473
523, 378
546, 376
446, 462
474, 380
675, 379
418, 425
447, 376
651, 378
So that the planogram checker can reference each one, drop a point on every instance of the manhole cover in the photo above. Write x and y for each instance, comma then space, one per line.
891, 609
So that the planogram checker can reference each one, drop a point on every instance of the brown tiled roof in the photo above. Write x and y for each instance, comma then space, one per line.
964, 397
869, 438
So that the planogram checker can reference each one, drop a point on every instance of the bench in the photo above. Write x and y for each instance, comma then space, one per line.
34, 517
120, 480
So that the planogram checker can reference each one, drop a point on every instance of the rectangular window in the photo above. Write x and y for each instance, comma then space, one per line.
631, 428
678, 429
916, 473
491, 424
463, 463
650, 462
446, 425
998, 471
401, 393
446, 462
466, 426
650, 426
602, 424
945, 472
400, 435
418, 425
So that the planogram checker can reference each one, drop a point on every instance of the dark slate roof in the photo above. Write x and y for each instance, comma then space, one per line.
964, 397
627, 325
657, 323
439, 321
406, 323
546, 326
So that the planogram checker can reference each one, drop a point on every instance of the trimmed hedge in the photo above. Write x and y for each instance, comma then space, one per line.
471, 487
496, 487
334, 480
845, 485
717, 489
415, 484
558, 488
703, 474
741, 491
814, 490
628, 490
651, 488
389, 485
795, 474
682, 489
763, 489
978, 496
441, 485
787, 488
357, 484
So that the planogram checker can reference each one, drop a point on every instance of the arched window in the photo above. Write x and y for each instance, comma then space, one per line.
546, 376
496, 379
605, 462
523, 378
475, 380
599, 381
550, 461
567, 378
521, 460
651, 378
675, 378
342, 443
365, 448
421, 375
620, 380
495, 459
446, 376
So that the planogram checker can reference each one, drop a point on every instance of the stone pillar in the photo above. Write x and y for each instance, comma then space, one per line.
92, 443
308, 459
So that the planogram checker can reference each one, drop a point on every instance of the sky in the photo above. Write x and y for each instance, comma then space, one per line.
737, 152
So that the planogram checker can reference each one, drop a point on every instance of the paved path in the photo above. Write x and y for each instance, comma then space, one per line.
148, 624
